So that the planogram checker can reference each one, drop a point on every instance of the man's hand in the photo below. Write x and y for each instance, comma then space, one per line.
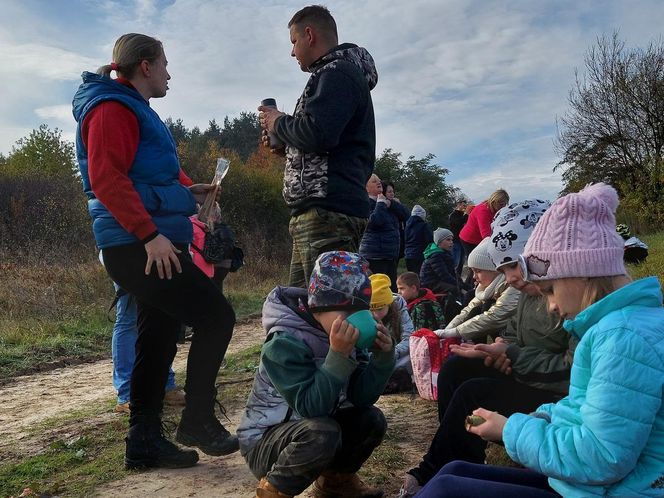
492, 429
343, 336
162, 253
200, 191
265, 142
267, 116
383, 340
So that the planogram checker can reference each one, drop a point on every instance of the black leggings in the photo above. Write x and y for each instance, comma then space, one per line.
189, 297
465, 384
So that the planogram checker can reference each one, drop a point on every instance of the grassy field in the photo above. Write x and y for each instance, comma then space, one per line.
53, 315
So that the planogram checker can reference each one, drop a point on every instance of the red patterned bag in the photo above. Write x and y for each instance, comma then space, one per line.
428, 353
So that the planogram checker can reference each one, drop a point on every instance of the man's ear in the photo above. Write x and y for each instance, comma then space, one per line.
310, 34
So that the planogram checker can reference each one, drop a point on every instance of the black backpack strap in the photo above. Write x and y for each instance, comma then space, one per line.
118, 294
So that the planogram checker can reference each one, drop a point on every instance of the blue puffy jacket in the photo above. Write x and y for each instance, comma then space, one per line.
154, 173
606, 438
381, 237
418, 236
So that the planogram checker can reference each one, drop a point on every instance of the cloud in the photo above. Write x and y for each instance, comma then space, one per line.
477, 83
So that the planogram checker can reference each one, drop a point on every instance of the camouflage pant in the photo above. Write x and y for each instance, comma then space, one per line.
316, 231
293, 454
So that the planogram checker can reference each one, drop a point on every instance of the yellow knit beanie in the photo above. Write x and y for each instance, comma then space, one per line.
381, 294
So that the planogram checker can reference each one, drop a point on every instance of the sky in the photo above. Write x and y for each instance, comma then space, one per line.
477, 83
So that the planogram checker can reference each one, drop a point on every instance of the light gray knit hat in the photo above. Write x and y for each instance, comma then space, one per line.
479, 257
418, 211
441, 234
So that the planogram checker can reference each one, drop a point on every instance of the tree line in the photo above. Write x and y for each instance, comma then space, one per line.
43, 209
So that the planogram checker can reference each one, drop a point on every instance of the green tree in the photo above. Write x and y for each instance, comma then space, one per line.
614, 129
43, 152
419, 181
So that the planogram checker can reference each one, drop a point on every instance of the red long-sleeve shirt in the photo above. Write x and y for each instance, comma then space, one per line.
478, 225
111, 136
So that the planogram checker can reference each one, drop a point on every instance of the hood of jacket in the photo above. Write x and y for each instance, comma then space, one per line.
431, 249
350, 52
285, 307
94, 85
645, 292
424, 295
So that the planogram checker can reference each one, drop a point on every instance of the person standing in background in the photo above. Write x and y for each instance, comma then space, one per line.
418, 236
458, 219
330, 142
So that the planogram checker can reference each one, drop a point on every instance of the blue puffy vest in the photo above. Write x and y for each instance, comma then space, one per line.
154, 173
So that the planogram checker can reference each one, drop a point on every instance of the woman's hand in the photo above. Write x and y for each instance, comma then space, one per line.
492, 429
343, 336
200, 191
162, 253
383, 340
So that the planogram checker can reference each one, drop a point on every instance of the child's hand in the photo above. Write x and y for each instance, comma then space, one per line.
383, 340
497, 356
467, 350
343, 336
492, 429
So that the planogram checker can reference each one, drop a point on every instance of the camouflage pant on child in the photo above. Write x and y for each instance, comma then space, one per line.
316, 231
293, 454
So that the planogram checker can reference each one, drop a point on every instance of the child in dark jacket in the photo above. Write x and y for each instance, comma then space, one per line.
438, 273
314, 388
425, 311
418, 236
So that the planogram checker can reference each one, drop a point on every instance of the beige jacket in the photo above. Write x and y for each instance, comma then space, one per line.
492, 321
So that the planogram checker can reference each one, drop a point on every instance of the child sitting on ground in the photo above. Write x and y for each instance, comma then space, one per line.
492, 307
425, 312
438, 272
390, 310
636, 251
606, 437
314, 388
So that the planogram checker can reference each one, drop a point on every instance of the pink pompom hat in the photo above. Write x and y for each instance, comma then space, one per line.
576, 237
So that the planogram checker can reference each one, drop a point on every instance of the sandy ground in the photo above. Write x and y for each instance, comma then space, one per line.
31, 400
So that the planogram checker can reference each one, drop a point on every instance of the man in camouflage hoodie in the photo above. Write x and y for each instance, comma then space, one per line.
330, 142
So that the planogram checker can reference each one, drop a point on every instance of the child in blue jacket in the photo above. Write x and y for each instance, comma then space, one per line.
606, 437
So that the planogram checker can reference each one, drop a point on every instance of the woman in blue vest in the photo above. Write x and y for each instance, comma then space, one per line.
140, 202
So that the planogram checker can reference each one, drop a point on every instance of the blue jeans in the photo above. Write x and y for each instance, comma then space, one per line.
469, 480
123, 347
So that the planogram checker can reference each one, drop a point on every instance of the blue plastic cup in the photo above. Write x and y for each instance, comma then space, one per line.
364, 321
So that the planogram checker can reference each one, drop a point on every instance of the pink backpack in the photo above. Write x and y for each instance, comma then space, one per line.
428, 352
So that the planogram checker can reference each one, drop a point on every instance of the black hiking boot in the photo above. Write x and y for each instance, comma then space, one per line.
146, 447
206, 432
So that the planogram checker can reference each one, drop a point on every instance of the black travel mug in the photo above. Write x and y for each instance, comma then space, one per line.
275, 143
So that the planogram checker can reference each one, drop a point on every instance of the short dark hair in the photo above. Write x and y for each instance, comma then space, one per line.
317, 16
409, 278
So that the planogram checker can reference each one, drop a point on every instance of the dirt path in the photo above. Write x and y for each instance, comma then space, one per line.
30, 401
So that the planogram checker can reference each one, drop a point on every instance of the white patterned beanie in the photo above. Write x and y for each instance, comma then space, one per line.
511, 227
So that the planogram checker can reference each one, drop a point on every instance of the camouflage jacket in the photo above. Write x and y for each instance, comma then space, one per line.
331, 138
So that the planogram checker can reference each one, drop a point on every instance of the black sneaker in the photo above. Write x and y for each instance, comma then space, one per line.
208, 434
146, 447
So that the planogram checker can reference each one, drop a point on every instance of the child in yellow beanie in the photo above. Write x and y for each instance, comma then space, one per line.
392, 311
